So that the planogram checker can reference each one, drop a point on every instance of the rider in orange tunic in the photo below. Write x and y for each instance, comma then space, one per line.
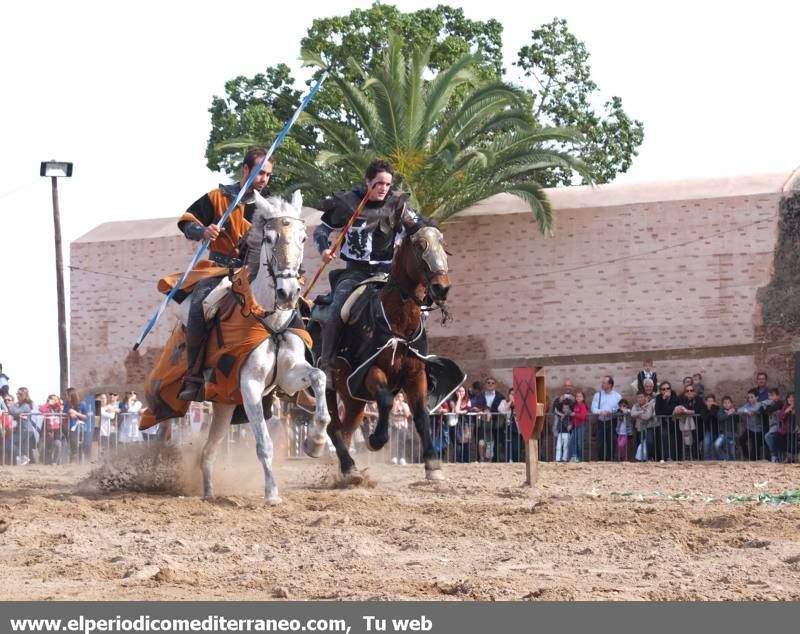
199, 222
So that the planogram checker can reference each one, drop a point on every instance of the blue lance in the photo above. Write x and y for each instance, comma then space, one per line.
250, 179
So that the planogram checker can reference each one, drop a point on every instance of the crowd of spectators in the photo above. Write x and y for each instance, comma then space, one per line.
665, 425
476, 424
658, 422
66, 428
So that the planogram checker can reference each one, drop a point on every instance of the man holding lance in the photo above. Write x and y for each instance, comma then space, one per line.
368, 245
199, 222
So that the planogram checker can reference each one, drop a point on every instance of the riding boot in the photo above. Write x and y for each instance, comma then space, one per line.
192, 389
330, 346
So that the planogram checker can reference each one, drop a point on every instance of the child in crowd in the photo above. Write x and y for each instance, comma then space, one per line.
399, 418
752, 438
772, 408
579, 414
725, 443
788, 428
52, 434
624, 428
699, 388
647, 372
563, 427
710, 426
643, 414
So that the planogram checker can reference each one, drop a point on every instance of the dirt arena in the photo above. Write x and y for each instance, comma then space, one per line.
588, 531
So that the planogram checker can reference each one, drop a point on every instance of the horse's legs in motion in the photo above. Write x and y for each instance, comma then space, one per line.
376, 383
252, 390
219, 425
416, 389
340, 432
295, 374
335, 431
165, 432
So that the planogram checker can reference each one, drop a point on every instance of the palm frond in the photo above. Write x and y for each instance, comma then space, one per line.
312, 58
442, 88
237, 143
364, 110
415, 105
453, 140
490, 97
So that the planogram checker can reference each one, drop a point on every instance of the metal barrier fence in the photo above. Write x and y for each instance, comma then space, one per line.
464, 438
472, 437
668, 438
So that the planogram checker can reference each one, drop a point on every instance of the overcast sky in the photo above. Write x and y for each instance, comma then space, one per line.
123, 90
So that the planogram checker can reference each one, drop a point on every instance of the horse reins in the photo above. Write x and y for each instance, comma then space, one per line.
340, 239
271, 264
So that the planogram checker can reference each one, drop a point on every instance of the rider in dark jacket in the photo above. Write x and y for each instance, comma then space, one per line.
369, 245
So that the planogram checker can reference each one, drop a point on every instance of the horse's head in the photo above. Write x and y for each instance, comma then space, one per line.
427, 245
275, 245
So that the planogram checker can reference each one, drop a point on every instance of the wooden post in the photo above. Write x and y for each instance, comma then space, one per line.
532, 461
60, 297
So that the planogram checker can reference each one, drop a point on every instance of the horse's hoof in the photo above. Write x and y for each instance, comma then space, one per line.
273, 500
352, 478
376, 444
435, 475
313, 448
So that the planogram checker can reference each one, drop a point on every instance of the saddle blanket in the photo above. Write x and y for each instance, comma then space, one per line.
230, 343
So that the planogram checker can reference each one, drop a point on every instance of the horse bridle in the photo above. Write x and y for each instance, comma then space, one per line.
426, 269
272, 264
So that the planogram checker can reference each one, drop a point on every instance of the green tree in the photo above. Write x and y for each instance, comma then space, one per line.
446, 158
362, 37
254, 110
558, 63
354, 46
252, 113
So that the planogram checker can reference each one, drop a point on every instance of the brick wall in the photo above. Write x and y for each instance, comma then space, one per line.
634, 279
665, 275
109, 310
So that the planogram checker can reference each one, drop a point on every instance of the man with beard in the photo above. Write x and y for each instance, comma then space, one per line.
198, 223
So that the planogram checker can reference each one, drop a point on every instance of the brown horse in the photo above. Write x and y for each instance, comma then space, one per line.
386, 345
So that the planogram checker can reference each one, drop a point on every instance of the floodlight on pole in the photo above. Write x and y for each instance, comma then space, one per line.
55, 170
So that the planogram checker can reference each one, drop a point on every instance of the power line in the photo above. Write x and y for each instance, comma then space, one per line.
580, 267
11, 192
106, 274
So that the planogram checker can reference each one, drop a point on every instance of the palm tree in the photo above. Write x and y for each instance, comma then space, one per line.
454, 140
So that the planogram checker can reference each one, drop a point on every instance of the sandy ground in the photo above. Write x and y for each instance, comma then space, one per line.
588, 531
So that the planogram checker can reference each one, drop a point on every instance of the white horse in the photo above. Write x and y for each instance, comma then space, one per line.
275, 247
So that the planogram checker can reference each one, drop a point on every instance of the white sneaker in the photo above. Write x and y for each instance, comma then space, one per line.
402, 462
394, 460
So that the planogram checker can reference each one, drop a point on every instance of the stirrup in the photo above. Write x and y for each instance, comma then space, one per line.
192, 389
